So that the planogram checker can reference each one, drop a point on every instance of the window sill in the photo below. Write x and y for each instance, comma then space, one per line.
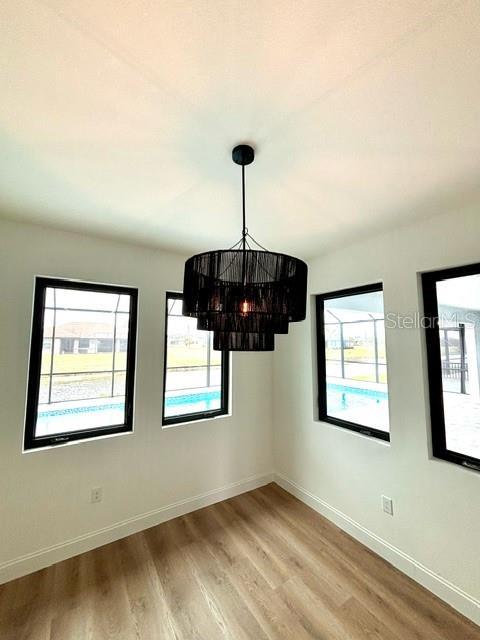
459, 462
358, 430
186, 423
62, 445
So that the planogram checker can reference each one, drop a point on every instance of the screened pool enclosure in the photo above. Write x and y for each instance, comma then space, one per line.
353, 371
196, 376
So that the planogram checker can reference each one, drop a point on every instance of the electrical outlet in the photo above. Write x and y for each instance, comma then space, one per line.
387, 505
96, 494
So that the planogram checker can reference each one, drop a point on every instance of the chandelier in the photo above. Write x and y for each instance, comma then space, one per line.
244, 295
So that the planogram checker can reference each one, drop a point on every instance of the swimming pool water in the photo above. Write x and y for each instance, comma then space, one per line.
367, 407
67, 419
192, 403
172, 401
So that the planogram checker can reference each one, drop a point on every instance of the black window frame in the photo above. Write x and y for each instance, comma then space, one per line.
225, 379
31, 441
434, 363
321, 362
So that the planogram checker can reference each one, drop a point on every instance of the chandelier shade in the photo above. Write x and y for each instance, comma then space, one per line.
244, 295
248, 282
245, 323
236, 341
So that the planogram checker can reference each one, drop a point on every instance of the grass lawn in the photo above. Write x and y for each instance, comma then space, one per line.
75, 362
381, 378
178, 356
361, 354
358, 353
181, 356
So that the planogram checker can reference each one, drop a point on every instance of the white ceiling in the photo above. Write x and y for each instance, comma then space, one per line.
118, 116
462, 292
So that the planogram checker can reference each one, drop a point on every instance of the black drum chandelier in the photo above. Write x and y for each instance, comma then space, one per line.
244, 295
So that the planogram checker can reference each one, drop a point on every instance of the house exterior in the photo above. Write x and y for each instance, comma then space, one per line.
84, 337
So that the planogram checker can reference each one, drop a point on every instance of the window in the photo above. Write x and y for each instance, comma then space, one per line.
352, 364
82, 362
452, 328
196, 376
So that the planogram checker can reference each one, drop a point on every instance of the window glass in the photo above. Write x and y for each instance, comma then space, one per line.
453, 349
353, 387
82, 346
196, 380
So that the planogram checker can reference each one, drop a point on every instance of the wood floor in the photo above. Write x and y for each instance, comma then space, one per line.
258, 566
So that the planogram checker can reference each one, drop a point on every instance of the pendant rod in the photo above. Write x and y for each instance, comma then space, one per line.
243, 154
244, 229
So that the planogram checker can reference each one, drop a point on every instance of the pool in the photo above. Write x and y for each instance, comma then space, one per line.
193, 402
365, 406
72, 418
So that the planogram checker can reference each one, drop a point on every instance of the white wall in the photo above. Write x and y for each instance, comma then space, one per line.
437, 504
45, 494
45, 510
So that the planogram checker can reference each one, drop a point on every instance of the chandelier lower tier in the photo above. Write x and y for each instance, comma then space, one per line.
244, 295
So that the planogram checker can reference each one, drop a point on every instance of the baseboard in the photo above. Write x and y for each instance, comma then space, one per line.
463, 602
42, 558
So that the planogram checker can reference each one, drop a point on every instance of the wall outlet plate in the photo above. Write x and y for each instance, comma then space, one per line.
387, 505
96, 494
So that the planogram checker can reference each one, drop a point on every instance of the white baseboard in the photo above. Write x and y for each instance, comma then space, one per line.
463, 602
42, 558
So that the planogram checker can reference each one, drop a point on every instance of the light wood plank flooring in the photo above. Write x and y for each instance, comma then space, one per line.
258, 566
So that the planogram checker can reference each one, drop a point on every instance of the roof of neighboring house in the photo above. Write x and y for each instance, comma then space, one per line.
83, 330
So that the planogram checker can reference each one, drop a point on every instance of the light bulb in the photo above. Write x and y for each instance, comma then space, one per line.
244, 307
